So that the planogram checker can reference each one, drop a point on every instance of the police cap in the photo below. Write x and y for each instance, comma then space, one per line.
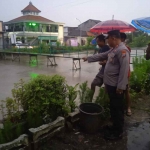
115, 33
123, 35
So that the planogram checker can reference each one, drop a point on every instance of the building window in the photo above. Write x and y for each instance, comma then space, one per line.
56, 29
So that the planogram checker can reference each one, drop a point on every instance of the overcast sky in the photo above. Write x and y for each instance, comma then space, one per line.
67, 11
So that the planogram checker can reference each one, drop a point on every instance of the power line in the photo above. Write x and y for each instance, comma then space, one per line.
70, 6
65, 4
71, 3
81, 3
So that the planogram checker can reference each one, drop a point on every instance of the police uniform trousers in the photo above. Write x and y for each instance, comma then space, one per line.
116, 108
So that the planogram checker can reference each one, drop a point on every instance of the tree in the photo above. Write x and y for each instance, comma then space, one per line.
140, 39
89, 39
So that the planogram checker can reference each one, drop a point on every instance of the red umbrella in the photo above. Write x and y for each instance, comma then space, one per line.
105, 26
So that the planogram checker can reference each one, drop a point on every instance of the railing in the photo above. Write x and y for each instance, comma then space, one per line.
137, 52
64, 52
31, 30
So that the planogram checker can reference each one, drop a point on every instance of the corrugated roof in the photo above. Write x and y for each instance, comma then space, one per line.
96, 21
74, 31
30, 8
30, 18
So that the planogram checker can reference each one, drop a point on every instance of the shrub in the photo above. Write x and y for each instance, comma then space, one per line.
44, 93
85, 93
139, 39
147, 84
89, 39
42, 97
103, 100
58, 43
72, 95
139, 79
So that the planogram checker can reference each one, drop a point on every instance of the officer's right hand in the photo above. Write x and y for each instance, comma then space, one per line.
119, 91
84, 58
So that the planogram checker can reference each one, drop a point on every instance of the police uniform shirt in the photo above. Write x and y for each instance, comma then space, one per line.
104, 49
117, 66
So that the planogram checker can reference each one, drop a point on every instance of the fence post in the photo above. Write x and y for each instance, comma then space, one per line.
69, 53
87, 52
40, 49
50, 50
63, 52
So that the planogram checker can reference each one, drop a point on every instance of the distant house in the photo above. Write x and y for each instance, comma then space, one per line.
87, 25
81, 31
1, 35
32, 27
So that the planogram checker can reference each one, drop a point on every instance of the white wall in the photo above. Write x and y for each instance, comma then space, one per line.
83, 38
61, 33
1, 29
1, 37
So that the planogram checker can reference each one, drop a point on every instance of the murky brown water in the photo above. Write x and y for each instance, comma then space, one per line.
11, 72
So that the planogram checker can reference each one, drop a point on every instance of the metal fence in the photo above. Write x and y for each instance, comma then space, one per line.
63, 52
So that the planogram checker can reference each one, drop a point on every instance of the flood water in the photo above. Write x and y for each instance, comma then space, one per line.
12, 72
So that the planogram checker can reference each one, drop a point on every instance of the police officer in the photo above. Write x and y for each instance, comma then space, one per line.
115, 80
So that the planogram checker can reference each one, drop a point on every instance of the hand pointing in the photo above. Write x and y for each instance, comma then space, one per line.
84, 58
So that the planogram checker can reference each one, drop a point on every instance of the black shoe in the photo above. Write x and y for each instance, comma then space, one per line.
108, 128
113, 135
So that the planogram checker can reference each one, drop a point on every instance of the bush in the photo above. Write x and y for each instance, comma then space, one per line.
103, 100
140, 40
140, 79
46, 49
85, 93
89, 39
58, 43
39, 101
72, 95
44, 93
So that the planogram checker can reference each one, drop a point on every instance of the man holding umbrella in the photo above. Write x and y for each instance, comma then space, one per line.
115, 80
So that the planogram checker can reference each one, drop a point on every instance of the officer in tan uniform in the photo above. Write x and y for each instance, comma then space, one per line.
115, 80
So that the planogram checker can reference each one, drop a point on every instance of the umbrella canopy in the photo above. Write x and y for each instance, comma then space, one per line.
142, 24
105, 26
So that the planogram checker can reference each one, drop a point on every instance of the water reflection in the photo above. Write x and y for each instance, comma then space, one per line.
33, 75
139, 137
76, 74
33, 63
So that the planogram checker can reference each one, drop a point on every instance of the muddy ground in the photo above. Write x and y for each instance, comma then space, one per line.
136, 134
